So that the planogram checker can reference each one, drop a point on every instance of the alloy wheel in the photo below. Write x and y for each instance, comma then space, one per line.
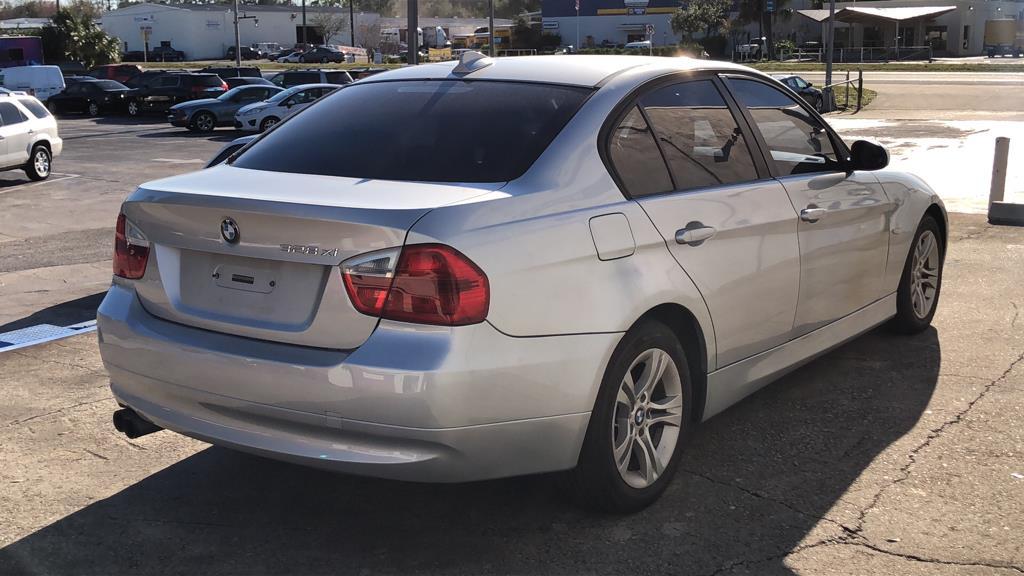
41, 162
94, 109
647, 418
133, 108
924, 274
205, 122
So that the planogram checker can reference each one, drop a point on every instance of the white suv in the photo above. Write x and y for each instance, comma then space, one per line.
28, 136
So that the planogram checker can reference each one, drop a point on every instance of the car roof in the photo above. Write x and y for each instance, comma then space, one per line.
579, 70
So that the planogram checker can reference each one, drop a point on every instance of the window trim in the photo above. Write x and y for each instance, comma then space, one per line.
842, 151
632, 99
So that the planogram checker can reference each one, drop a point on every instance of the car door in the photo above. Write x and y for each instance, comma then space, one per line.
844, 215
728, 224
15, 134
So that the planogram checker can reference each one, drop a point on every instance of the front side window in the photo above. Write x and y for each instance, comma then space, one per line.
494, 131
701, 140
9, 114
635, 156
798, 142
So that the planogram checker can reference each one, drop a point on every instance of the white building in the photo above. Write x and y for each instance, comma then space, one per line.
206, 31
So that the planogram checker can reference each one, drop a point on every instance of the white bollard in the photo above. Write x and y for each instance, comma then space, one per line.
998, 189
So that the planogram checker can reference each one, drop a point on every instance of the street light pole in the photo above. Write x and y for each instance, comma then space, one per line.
490, 25
352, 22
238, 43
413, 34
304, 43
830, 48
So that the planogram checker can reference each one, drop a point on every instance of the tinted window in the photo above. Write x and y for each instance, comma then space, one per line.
75, 88
297, 78
109, 85
436, 131
207, 80
699, 136
37, 109
797, 141
9, 114
338, 77
636, 158
167, 81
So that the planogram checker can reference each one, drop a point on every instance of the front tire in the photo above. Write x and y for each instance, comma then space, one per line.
39, 162
641, 420
268, 123
93, 109
918, 294
133, 108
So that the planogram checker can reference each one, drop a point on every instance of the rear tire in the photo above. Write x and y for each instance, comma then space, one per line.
92, 109
39, 163
918, 294
133, 108
639, 424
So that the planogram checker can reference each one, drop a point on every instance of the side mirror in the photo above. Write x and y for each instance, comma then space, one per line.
866, 155
810, 84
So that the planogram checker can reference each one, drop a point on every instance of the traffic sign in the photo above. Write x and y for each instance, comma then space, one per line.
649, 29
770, 6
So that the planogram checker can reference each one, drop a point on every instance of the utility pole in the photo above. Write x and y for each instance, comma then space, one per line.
352, 21
304, 43
490, 26
238, 43
830, 47
413, 56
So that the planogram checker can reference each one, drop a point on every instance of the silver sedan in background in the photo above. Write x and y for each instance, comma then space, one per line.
207, 114
487, 268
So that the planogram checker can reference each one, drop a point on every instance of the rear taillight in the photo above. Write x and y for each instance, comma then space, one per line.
421, 283
131, 250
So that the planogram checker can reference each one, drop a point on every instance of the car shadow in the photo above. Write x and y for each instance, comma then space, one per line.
64, 314
221, 135
754, 482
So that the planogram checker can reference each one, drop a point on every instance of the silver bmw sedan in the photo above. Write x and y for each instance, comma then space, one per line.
487, 268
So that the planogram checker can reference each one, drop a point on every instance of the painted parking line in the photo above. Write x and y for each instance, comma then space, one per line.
42, 333
179, 160
50, 180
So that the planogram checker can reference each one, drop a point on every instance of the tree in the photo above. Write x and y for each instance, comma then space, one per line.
75, 37
700, 16
328, 20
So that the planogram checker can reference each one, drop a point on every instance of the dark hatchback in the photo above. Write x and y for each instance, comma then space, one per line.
162, 91
93, 97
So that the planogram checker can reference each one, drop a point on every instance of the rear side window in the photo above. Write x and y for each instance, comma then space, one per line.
635, 156
109, 85
701, 140
9, 114
207, 80
338, 78
798, 142
33, 106
167, 81
433, 131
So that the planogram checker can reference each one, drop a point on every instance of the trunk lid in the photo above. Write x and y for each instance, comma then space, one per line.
280, 279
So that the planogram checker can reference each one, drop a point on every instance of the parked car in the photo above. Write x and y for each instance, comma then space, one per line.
69, 80
165, 90
118, 72
92, 97
283, 53
237, 81
166, 54
207, 114
293, 57
262, 116
322, 55
247, 53
363, 72
292, 78
147, 77
133, 56
639, 45
805, 89
229, 149
39, 81
611, 260
29, 134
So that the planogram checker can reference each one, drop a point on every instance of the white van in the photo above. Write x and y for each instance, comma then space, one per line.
39, 81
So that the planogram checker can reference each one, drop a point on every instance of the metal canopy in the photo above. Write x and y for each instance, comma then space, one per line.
872, 15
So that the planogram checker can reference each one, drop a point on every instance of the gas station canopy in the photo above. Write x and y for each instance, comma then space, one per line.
866, 15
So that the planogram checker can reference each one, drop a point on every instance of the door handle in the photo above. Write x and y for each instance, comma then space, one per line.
694, 234
812, 214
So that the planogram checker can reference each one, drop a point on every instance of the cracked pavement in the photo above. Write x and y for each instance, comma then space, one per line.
890, 455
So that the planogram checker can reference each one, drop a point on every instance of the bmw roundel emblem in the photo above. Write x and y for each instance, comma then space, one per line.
229, 230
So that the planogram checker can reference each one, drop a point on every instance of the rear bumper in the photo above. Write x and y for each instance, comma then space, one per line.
412, 403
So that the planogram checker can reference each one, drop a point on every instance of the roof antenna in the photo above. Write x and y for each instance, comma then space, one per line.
471, 61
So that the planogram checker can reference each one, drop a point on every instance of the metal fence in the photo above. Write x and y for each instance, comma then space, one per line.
861, 54
856, 84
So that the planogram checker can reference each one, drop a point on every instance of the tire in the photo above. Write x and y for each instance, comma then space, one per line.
620, 431
39, 163
204, 122
918, 294
92, 109
133, 108
268, 123
324, 60
819, 104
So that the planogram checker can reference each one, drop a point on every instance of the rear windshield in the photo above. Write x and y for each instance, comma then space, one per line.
428, 131
341, 77
37, 109
110, 85
206, 80
295, 78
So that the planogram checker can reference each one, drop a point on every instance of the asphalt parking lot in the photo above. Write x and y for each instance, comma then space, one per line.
890, 455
